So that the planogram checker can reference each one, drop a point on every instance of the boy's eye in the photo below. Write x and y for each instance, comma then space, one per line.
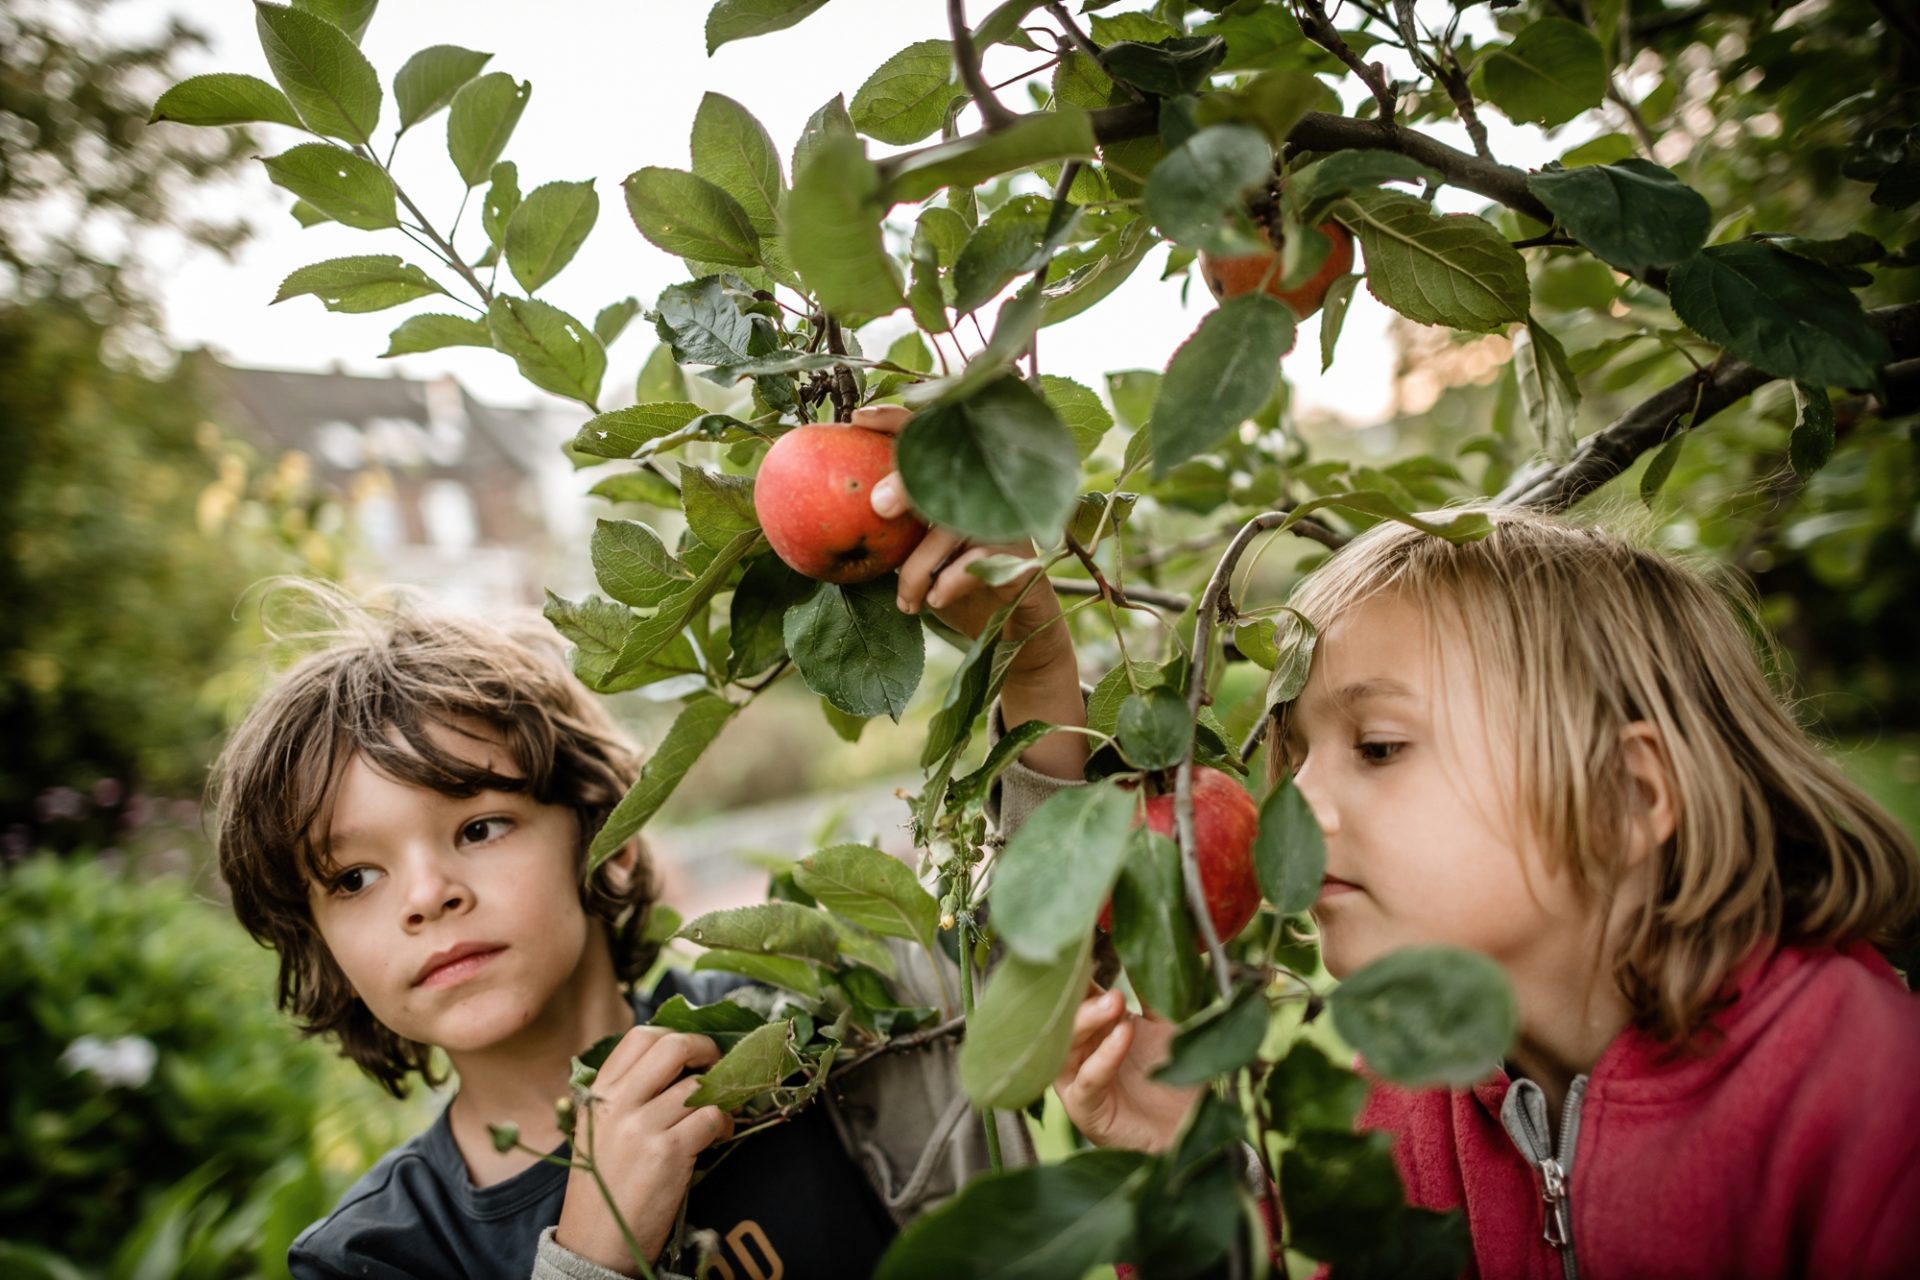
353, 880
481, 830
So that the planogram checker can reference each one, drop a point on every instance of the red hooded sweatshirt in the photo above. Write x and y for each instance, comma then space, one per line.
1789, 1147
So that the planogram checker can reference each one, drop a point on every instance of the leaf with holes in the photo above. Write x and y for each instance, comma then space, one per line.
555, 352
347, 188
482, 118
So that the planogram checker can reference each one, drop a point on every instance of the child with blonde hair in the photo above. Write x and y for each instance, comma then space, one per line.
1557, 748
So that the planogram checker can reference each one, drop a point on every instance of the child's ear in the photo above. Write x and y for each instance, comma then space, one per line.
621, 864
1655, 801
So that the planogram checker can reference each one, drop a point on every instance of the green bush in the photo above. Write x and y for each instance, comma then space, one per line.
162, 1118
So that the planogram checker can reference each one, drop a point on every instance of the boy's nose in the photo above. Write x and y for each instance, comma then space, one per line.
433, 895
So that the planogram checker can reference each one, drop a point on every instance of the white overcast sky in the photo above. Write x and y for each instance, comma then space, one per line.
615, 87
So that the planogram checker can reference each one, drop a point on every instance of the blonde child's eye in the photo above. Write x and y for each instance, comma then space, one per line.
353, 880
1378, 753
481, 830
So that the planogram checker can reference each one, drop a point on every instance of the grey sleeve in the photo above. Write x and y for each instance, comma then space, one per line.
554, 1261
1019, 790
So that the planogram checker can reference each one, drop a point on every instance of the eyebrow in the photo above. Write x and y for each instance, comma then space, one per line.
1346, 698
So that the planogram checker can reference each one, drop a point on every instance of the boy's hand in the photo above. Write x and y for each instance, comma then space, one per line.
1043, 678
1107, 1083
644, 1140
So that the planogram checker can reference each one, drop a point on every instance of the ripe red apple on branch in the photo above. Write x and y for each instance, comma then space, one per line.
1225, 822
812, 496
1229, 277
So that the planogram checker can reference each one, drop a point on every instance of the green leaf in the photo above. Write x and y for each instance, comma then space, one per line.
1079, 410
1219, 1041
690, 217
1006, 245
1553, 70
1455, 526
966, 695
1456, 269
306, 215
548, 229
350, 190
1549, 394
1308, 1093
703, 324
481, 121
1113, 259
1632, 213
972, 789
1152, 929
597, 629
830, 121
996, 465
1194, 193
725, 1022
833, 230
351, 16
874, 890
731, 20
1343, 1199
1289, 853
555, 352
1155, 728
1166, 68
621, 433
768, 928
224, 98
1219, 377
329, 81
428, 80
1427, 1015
772, 971
734, 152
1040, 1222
1333, 315
855, 648
757, 614
503, 197
907, 97
719, 506
761, 1060
1811, 443
1065, 133
649, 636
633, 566
1293, 658
1780, 312
1056, 871
432, 332
1313, 189
353, 285
1018, 1034
1660, 466
613, 319
693, 731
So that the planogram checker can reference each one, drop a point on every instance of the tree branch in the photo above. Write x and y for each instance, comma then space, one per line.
1319, 29
996, 115
1132, 596
1608, 452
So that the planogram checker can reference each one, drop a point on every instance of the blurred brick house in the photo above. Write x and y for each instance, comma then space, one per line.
467, 500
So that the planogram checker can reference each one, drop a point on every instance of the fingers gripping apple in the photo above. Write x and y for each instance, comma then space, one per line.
813, 498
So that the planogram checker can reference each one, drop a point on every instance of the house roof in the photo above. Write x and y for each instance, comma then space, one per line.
347, 423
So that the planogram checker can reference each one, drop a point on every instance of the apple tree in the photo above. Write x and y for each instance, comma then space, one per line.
1722, 265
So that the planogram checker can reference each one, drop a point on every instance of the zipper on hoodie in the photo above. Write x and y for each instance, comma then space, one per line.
1524, 1115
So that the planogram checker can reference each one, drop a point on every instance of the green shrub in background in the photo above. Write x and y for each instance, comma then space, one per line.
162, 1119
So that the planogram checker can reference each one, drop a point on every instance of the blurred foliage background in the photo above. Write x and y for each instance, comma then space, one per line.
161, 1118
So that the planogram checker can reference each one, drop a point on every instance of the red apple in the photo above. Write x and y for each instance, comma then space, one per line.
1225, 822
1232, 276
814, 499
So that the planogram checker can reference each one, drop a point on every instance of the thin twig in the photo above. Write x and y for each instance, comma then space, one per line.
1320, 29
992, 112
453, 259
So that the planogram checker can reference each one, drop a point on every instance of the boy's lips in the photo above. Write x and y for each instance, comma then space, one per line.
456, 963
1333, 886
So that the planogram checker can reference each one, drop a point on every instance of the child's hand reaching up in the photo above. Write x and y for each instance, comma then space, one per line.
644, 1140
1107, 1083
1043, 679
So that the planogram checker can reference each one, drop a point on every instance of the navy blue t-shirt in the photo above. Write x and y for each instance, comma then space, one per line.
788, 1201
